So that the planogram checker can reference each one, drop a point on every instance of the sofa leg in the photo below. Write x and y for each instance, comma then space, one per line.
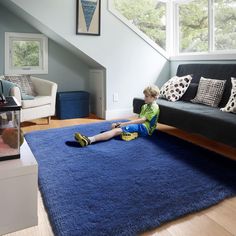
49, 119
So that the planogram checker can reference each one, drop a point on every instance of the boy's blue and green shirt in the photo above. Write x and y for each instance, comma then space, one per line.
151, 113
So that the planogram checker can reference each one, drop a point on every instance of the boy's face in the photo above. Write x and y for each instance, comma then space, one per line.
149, 99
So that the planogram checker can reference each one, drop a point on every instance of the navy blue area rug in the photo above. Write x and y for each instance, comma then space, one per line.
125, 188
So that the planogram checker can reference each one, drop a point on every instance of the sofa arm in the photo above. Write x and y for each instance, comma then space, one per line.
44, 87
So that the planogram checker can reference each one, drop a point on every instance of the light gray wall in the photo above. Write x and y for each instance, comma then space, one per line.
64, 68
130, 63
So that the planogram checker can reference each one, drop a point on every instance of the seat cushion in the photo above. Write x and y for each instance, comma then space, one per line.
200, 119
38, 101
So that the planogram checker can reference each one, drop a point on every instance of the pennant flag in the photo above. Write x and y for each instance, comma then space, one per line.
89, 8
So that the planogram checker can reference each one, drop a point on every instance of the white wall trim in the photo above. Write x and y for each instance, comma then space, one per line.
205, 56
119, 113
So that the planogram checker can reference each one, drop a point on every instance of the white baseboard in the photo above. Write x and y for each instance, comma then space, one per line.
119, 114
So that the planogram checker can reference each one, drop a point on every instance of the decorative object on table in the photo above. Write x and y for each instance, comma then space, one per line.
124, 188
10, 134
88, 17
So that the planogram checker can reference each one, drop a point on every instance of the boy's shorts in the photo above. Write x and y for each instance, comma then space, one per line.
139, 128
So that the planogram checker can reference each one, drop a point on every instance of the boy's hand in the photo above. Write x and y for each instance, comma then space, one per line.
116, 125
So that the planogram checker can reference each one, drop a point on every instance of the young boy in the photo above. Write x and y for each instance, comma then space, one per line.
143, 126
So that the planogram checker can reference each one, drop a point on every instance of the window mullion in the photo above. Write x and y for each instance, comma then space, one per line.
211, 26
169, 28
176, 38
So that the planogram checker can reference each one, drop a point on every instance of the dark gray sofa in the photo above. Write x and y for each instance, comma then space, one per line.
197, 118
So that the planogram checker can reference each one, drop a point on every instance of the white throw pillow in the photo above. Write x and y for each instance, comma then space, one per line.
231, 104
175, 88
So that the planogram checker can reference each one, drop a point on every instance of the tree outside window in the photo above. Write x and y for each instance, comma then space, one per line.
199, 25
25, 53
225, 24
149, 16
193, 26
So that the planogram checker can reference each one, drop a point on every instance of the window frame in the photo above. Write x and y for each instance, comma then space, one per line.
43, 57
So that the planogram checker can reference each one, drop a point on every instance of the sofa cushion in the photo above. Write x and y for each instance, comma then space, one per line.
209, 92
174, 88
190, 92
38, 101
24, 82
199, 119
231, 105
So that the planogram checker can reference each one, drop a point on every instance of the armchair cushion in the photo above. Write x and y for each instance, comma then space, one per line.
38, 101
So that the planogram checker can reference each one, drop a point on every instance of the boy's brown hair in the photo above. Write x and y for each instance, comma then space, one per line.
152, 91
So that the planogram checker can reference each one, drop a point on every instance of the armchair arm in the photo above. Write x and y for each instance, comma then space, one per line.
15, 91
44, 87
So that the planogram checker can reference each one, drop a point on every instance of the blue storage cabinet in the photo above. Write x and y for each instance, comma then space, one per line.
72, 104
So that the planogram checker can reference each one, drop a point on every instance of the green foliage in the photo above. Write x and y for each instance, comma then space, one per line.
25, 53
193, 21
149, 17
225, 24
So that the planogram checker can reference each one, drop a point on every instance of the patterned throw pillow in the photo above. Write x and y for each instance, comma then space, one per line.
209, 91
175, 88
231, 104
24, 82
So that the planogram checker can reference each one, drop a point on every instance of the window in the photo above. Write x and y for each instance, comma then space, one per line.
193, 26
26, 53
182, 27
146, 17
224, 24
206, 26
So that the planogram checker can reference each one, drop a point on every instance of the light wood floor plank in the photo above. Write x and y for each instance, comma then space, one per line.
225, 215
196, 225
219, 220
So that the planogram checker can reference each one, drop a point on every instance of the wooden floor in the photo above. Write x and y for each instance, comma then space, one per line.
219, 220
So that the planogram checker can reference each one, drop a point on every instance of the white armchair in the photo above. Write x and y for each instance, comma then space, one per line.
44, 103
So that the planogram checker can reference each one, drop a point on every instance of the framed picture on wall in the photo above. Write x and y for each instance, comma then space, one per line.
88, 17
